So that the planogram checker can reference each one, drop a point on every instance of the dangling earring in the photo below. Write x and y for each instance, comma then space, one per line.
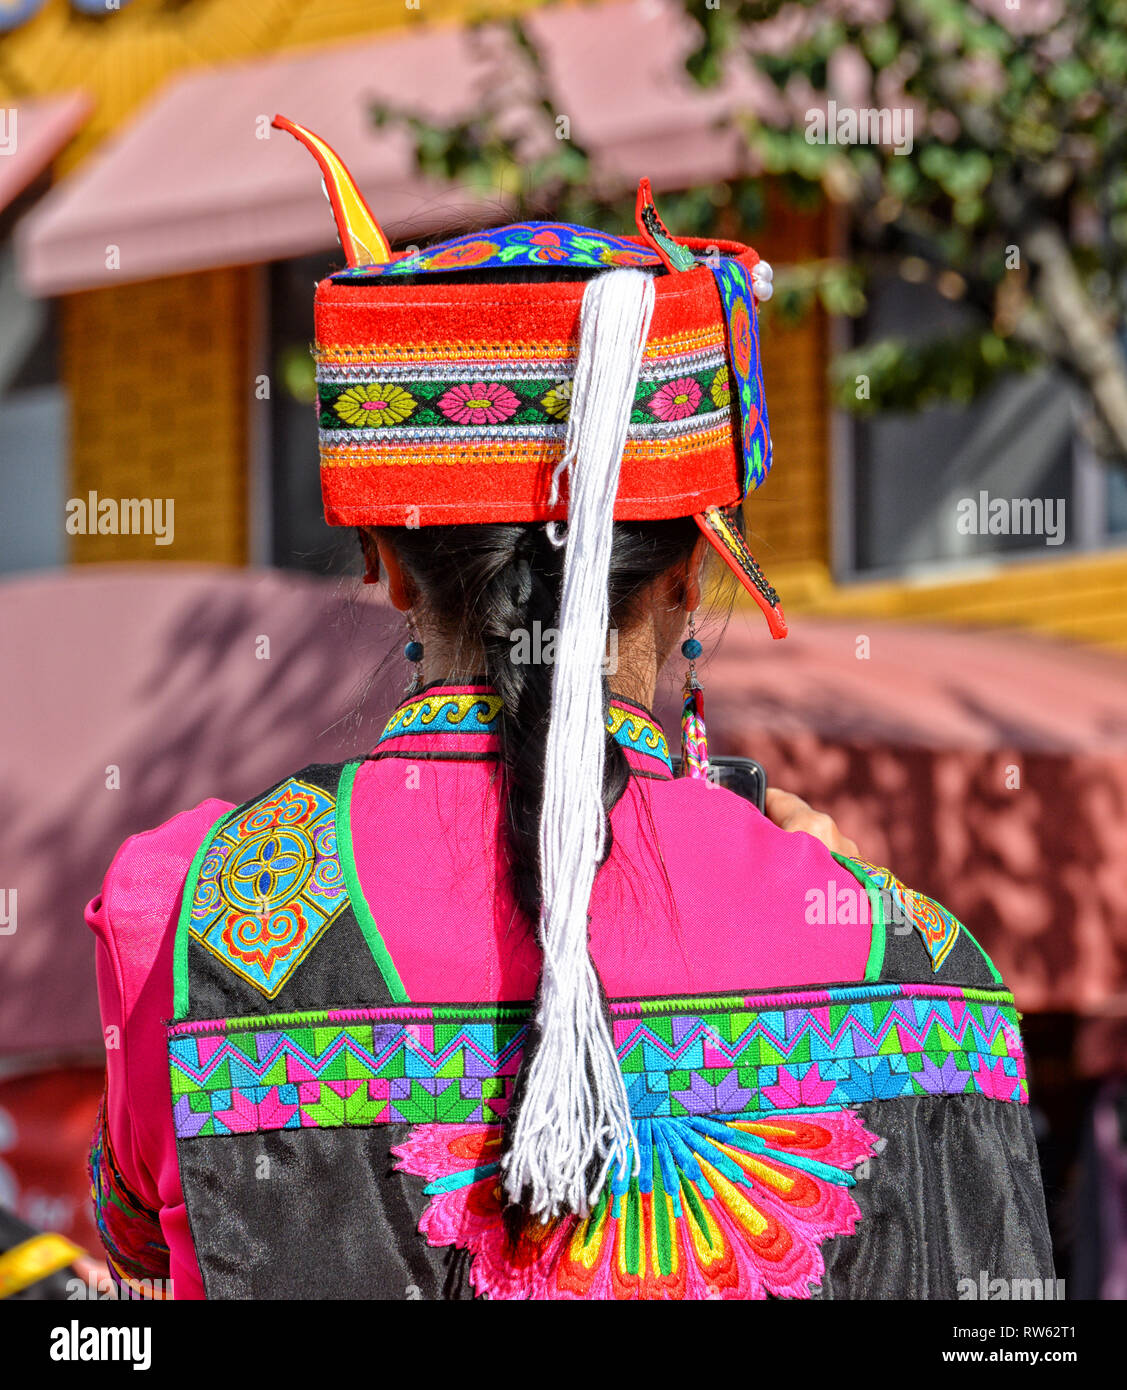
413, 651
694, 740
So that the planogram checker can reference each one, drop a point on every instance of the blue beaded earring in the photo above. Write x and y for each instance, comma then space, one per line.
413, 651
694, 739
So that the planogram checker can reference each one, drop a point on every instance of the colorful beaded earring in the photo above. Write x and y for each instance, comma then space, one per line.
694, 740
413, 651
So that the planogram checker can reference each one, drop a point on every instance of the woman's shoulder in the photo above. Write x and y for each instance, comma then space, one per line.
846, 918
141, 891
765, 907
916, 938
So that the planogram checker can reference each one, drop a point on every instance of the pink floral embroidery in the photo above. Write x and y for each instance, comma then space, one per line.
723, 1207
482, 403
792, 1089
550, 248
993, 1080
739, 332
611, 255
676, 399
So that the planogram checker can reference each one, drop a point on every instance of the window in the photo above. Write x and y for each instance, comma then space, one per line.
918, 479
33, 428
300, 538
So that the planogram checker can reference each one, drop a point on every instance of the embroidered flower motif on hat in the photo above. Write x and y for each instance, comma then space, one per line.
374, 403
751, 423
463, 253
549, 247
557, 401
741, 337
721, 389
479, 403
676, 399
721, 1208
611, 255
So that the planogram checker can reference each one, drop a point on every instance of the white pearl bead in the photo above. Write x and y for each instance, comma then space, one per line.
762, 276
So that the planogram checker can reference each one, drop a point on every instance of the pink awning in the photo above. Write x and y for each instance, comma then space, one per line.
199, 180
41, 129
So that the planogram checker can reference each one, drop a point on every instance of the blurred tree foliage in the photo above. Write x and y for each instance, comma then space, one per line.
1012, 198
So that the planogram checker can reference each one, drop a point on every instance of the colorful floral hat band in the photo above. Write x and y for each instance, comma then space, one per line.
445, 401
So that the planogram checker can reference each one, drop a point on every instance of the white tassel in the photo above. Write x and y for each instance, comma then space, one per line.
574, 1116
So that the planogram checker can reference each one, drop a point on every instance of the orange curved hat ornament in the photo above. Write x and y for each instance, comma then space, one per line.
361, 235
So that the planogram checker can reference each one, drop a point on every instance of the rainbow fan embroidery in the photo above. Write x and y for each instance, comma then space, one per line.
722, 1208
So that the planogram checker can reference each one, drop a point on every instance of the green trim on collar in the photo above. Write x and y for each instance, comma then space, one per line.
362, 912
878, 942
180, 947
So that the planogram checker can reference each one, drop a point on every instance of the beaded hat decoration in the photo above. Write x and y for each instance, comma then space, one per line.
446, 401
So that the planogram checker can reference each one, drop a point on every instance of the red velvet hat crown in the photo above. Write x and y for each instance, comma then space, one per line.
446, 401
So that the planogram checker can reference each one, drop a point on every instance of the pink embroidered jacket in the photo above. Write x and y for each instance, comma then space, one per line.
702, 895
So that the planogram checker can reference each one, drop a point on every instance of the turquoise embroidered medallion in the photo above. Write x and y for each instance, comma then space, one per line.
269, 885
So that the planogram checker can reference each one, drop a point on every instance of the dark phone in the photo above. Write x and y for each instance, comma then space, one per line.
744, 776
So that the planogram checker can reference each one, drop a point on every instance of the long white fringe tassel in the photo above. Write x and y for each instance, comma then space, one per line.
574, 1117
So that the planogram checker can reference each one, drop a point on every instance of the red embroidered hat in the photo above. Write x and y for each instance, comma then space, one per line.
448, 400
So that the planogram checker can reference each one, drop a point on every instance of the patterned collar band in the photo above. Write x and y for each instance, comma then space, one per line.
444, 388
461, 722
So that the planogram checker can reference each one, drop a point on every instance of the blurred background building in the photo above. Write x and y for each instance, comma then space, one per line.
159, 244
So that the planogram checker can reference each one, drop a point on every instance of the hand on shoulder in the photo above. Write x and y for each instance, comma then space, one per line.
790, 812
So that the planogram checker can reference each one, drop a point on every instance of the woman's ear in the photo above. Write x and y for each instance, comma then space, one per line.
371, 557
693, 576
400, 587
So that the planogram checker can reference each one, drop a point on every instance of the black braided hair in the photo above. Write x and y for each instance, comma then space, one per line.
483, 584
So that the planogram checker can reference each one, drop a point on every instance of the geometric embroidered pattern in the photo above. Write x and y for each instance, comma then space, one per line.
473, 714
345, 1067
269, 885
938, 927
713, 1056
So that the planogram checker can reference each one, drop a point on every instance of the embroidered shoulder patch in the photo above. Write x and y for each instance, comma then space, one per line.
938, 928
270, 884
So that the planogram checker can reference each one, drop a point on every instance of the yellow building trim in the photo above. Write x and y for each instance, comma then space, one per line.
1082, 598
125, 56
159, 383
787, 518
